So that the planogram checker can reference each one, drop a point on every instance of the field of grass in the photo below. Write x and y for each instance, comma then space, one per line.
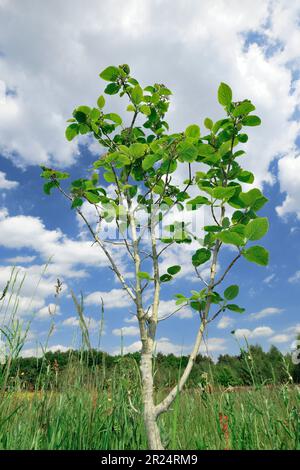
84, 408
90, 415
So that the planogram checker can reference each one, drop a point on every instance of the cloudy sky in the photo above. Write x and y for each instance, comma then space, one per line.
51, 54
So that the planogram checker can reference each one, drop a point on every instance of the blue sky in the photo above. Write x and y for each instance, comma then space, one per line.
50, 66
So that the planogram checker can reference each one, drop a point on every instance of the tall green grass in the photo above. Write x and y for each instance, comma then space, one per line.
81, 409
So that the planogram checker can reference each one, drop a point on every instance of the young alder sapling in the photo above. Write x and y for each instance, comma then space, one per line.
138, 163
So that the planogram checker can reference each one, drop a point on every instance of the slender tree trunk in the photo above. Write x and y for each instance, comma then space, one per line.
150, 416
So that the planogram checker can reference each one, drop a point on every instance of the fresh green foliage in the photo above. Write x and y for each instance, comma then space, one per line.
140, 158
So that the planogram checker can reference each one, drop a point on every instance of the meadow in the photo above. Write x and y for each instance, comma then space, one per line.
89, 400
86, 412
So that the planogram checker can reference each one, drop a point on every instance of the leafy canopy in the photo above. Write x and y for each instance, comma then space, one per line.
139, 158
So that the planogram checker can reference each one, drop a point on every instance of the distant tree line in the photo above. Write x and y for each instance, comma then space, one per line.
88, 368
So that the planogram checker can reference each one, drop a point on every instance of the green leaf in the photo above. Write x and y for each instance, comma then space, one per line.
165, 278
181, 299
174, 270
212, 228
201, 256
145, 109
72, 131
208, 123
77, 202
231, 292
80, 116
137, 94
193, 131
48, 186
223, 192
109, 177
144, 275
225, 222
239, 153
257, 228
205, 150
231, 238
253, 198
224, 94
110, 74
196, 305
187, 152
257, 254
150, 160
225, 148
112, 89
168, 166
84, 129
243, 108
246, 177
251, 121
93, 198
101, 102
197, 201
95, 114
131, 108
259, 203
242, 138
48, 173
235, 308
113, 117
137, 150
125, 68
